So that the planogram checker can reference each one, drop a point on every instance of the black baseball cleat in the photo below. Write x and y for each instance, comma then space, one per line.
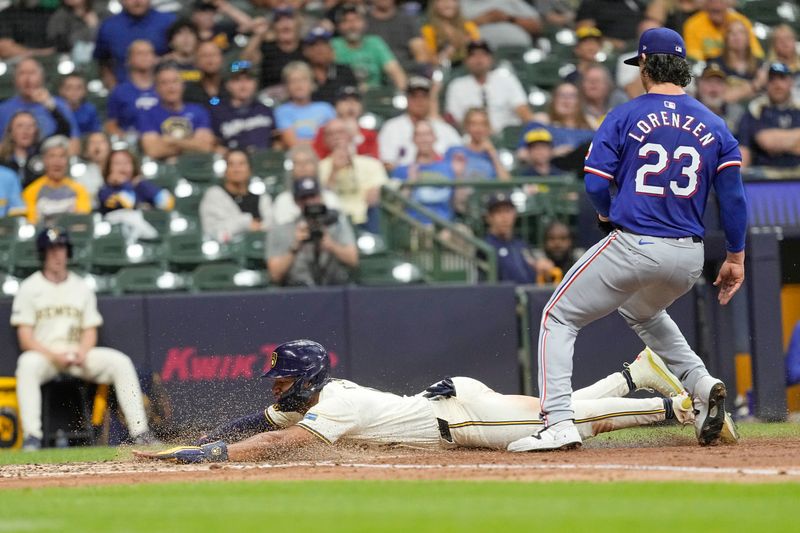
710, 416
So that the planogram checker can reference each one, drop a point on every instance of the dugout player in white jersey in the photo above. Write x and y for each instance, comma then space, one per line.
314, 409
660, 153
56, 316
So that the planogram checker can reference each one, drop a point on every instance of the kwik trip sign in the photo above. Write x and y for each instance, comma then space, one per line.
185, 364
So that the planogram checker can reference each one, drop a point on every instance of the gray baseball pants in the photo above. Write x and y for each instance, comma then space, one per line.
640, 276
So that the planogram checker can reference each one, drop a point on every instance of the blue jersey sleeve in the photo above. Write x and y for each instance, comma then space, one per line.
730, 193
604, 153
202, 120
149, 122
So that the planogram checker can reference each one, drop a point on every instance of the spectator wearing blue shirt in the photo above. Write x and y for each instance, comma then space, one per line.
53, 115
73, 90
240, 121
515, 261
478, 158
173, 127
428, 165
126, 189
11, 204
137, 21
539, 158
769, 133
299, 119
135, 95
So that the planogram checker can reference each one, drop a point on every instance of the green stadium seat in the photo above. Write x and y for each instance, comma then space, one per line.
771, 12
79, 226
24, 258
268, 163
100, 283
544, 74
380, 270
227, 277
159, 220
112, 252
185, 251
248, 248
509, 138
197, 167
145, 279
189, 205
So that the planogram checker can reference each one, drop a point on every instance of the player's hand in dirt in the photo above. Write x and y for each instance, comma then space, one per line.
213, 452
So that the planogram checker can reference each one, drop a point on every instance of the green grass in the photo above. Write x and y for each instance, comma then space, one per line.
65, 455
407, 506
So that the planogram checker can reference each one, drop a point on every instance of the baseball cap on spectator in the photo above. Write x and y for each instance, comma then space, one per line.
316, 35
241, 67
478, 44
282, 13
348, 91
497, 199
305, 187
588, 32
659, 41
538, 135
347, 9
713, 70
779, 69
418, 83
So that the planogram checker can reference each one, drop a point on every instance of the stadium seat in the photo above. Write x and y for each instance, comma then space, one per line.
185, 251
265, 163
248, 248
25, 258
144, 279
79, 226
227, 277
112, 252
159, 220
189, 205
545, 74
509, 138
197, 167
771, 12
386, 270
380, 101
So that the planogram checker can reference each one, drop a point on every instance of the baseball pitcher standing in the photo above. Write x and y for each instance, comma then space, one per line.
662, 152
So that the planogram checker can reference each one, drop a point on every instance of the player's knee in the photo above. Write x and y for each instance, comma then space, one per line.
30, 363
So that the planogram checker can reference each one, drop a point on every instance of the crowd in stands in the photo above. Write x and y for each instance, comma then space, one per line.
315, 78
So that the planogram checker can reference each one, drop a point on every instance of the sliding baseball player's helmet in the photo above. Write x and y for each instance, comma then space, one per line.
306, 361
52, 237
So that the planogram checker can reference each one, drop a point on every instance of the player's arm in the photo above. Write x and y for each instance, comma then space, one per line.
240, 429
202, 141
87, 342
28, 342
733, 212
272, 444
779, 141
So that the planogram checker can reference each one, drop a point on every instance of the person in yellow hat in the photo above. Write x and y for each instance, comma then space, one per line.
539, 152
590, 42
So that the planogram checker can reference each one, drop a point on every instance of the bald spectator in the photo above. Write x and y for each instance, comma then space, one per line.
504, 22
305, 164
368, 55
173, 127
136, 21
704, 31
136, 94
769, 134
349, 108
356, 179
329, 77
55, 192
497, 90
395, 140
52, 114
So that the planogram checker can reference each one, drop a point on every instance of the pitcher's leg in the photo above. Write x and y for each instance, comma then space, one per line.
106, 365
33, 369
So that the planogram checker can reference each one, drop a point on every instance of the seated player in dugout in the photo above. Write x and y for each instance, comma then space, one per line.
314, 409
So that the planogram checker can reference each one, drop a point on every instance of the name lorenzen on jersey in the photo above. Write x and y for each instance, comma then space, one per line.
671, 120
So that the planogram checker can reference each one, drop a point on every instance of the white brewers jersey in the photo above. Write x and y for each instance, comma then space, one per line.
58, 312
347, 411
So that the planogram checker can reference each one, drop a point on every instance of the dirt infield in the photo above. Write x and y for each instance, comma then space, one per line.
755, 460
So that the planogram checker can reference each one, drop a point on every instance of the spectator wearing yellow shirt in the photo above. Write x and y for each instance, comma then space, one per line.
704, 31
447, 33
55, 192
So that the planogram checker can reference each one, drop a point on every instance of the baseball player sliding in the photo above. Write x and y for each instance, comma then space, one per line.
312, 408
662, 152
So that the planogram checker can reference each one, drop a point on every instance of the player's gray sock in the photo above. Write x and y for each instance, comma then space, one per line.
668, 411
629, 380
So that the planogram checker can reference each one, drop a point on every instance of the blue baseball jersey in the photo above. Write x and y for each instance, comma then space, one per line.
663, 153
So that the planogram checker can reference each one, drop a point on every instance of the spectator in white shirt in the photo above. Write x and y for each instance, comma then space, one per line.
496, 90
396, 138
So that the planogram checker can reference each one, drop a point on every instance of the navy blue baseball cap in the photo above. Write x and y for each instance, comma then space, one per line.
316, 35
659, 41
779, 69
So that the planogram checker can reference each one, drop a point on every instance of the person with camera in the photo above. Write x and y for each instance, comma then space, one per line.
318, 248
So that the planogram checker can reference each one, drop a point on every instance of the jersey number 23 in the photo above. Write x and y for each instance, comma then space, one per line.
686, 156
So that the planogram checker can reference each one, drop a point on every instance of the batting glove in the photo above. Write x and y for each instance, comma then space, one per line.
214, 452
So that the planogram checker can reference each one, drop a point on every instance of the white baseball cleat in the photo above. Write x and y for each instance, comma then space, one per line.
560, 436
683, 408
710, 414
648, 371
729, 434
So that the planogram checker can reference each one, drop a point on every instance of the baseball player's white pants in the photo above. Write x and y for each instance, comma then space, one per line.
102, 365
638, 275
479, 417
